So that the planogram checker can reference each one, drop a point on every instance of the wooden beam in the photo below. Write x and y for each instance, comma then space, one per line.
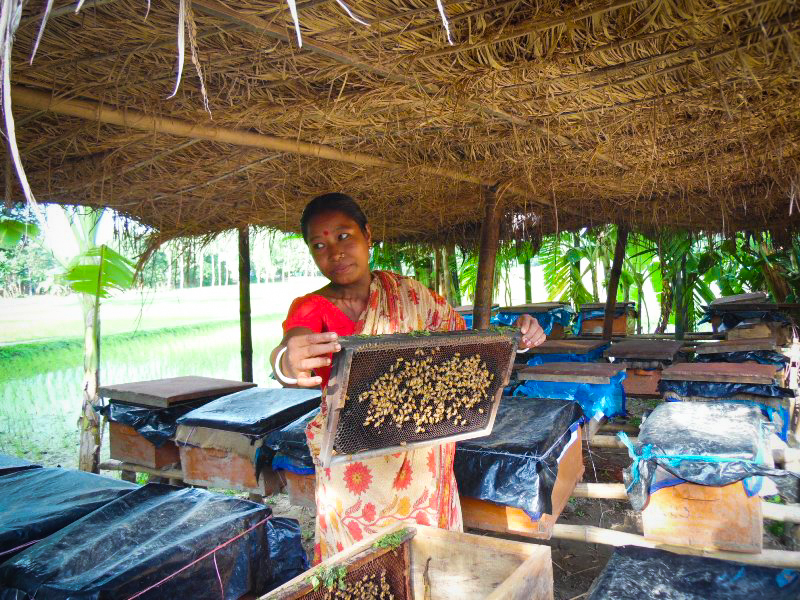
490, 238
244, 304
613, 282
596, 535
101, 113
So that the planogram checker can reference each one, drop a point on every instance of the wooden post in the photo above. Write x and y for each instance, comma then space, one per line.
613, 282
490, 238
437, 262
244, 304
527, 266
680, 301
452, 269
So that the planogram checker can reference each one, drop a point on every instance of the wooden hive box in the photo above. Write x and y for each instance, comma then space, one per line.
488, 516
707, 517
301, 489
624, 322
221, 443
534, 309
644, 361
434, 564
127, 444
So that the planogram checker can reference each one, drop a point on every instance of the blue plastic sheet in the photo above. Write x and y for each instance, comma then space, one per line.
12, 464
592, 356
596, 399
290, 446
634, 573
517, 464
562, 316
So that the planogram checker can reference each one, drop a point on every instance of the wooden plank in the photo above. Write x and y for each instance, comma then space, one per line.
740, 298
723, 372
737, 346
602, 305
162, 393
533, 307
571, 372
117, 465
595, 535
567, 346
645, 349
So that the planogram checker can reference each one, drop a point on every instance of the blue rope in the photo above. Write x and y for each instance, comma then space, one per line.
673, 459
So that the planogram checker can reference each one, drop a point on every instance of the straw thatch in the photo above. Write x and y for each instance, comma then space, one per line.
667, 113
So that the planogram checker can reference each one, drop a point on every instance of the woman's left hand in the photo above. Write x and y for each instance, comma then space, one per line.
532, 333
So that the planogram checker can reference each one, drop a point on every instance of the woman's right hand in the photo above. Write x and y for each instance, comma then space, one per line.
306, 352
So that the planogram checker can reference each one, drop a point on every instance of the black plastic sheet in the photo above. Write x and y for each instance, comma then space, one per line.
12, 464
156, 425
35, 503
716, 389
708, 443
143, 538
763, 357
291, 448
634, 573
255, 412
285, 550
731, 318
517, 464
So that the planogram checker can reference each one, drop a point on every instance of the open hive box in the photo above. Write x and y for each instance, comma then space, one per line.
393, 393
425, 563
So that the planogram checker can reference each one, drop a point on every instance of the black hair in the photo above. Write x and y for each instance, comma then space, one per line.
334, 202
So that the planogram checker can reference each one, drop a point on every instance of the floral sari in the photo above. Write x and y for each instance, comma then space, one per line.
359, 498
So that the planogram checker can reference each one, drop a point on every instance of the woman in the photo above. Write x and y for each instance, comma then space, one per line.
361, 497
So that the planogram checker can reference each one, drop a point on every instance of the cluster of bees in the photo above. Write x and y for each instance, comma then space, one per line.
426, 393
369, 587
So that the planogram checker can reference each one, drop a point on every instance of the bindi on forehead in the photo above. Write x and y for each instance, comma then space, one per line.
325, 232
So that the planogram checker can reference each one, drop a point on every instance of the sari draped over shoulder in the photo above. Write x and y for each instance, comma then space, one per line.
362, 497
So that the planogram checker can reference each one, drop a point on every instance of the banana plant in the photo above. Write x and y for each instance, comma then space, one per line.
12, 232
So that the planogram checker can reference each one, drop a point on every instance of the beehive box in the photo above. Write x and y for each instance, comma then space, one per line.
624, 322
488, 516
300, 489
394, 393
707, 517
127, 444
425, 563
644, 361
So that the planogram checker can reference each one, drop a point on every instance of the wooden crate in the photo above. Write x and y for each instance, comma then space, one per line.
642, 383
621, 326
214, 467
706, 517
129, 446
488, 516
446, 565
301, 489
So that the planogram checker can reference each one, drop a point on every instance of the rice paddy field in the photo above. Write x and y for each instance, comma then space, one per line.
180, 332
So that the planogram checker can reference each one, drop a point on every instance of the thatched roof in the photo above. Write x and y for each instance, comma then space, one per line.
670, 113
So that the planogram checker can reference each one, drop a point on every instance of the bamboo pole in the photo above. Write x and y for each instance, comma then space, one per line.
613, 282
102, 113
596, 535
245, 326
490, 238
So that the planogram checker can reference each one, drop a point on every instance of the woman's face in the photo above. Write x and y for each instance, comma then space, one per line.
339, 247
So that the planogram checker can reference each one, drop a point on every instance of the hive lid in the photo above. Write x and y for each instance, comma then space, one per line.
723, 373
741, 345
645, 349
173, 390
535, 307
739, 298
568, 346
571, 372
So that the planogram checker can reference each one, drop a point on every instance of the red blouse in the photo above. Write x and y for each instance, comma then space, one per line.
320, 315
